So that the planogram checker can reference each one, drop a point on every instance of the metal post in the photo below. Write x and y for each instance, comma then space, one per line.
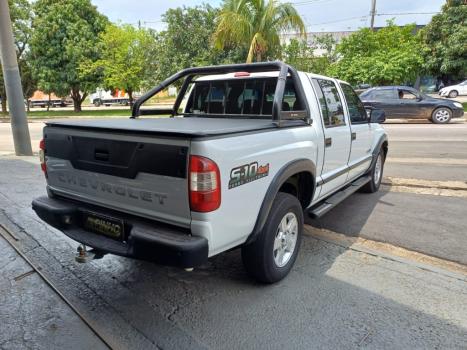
372, 13
14, 91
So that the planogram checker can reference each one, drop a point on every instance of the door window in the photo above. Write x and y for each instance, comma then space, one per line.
357, 111
331, 104
407, 95
383, 95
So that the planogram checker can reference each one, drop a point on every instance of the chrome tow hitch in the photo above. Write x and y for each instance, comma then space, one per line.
84, 256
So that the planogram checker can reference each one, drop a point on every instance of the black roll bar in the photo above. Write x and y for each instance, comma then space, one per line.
190, 73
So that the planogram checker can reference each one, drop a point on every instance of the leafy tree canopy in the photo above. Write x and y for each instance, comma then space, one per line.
124, 58
187, 42
65, 34
301, 55
256, 25
391, 55
445, 38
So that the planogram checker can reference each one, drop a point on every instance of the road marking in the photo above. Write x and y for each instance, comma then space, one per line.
389, 251
437, 161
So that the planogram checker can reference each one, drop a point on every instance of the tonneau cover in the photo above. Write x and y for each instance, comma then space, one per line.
193, 126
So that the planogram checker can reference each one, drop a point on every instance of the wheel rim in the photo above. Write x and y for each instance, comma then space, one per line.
442, 115
378, 170
285, 240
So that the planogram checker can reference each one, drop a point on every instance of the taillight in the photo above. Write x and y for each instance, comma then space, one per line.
42, 156
205, 182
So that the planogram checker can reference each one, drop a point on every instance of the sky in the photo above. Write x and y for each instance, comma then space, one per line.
319, 15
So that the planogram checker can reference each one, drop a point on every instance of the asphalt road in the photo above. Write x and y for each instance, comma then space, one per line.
334, 297
432, 152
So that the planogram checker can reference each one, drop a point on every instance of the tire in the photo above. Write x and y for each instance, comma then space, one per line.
272, 255
376, 174
441, 115
97, 103
453, 94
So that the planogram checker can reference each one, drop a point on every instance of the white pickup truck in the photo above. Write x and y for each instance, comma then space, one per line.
247, 152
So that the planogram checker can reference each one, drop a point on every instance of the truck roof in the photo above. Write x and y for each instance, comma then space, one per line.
229, 76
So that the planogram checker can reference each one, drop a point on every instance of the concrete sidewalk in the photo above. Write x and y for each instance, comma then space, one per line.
32, 315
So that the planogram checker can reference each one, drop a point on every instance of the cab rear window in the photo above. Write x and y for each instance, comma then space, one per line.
240, 97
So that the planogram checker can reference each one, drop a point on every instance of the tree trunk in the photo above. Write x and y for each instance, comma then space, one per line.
251, 53
130, 97
76, 104
28, 105
258, 56
77, 100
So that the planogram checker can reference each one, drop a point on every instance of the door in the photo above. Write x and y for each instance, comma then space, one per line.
361, 136
336, 136
384, 98
410, 103
463, 88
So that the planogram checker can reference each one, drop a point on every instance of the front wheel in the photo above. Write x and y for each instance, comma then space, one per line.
272, 255
376, 174
453, 94
441, 115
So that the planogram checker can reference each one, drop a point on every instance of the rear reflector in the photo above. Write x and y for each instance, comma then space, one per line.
205, 181
42, 156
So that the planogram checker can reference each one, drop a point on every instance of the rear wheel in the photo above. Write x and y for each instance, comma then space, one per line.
272, 255
441, 115
453, 94
376, 174
97, 103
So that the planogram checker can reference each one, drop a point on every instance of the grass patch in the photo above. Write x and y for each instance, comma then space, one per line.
465, 106
101, 113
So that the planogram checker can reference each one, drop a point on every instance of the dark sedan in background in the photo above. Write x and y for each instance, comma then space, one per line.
408, 103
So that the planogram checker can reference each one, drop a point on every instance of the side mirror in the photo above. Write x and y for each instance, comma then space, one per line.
377, 116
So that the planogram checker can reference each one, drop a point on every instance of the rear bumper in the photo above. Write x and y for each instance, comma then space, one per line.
144, 239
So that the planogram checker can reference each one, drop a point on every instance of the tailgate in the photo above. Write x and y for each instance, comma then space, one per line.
137, 174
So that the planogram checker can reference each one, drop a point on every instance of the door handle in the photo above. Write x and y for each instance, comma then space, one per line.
354, 136
328, 141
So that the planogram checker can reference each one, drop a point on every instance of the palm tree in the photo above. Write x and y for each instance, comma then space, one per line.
256, 24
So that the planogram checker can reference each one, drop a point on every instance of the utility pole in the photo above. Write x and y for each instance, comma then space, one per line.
14, 91
372, 14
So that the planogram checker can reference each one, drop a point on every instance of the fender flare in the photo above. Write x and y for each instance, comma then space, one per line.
379, 145
288, 170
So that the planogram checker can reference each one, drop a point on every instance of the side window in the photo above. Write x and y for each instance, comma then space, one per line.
407, 95
331, 104
383, 95
357, 111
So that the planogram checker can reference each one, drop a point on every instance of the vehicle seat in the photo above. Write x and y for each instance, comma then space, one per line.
216, 107
267, 107
297, 106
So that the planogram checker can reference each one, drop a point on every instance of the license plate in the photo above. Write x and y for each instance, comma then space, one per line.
104, 225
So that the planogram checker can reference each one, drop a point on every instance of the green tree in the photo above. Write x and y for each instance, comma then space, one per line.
186, 43
256, 25
445, 38
123, 59
21, 16
66, 34
391, 55
302, 55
